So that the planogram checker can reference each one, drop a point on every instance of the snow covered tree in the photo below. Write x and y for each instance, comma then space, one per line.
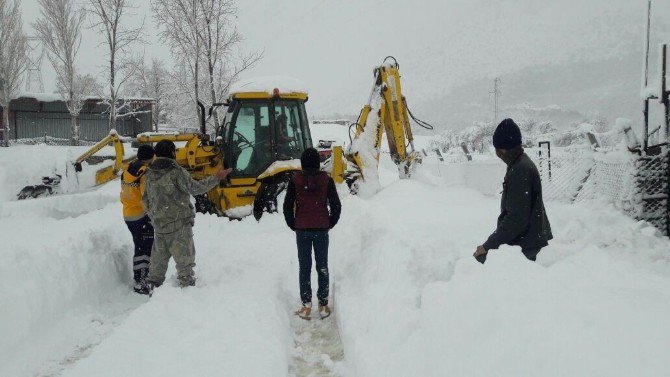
179, 20
59, 29
152, 81
203, 39
220, 41
118, 38
532, 130
13, 58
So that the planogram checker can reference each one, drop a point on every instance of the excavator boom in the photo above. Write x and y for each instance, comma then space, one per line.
386, 112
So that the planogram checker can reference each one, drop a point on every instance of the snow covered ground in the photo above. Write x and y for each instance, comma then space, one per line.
410, 299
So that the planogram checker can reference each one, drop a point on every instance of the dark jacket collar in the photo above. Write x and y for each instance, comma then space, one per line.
513, 157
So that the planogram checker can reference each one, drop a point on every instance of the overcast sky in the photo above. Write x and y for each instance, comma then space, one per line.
332, 45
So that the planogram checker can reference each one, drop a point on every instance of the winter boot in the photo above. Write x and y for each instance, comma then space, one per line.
324, 311
305, 311
143, 288
188, 281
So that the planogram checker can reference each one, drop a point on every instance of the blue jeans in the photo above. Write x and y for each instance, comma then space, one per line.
306, 239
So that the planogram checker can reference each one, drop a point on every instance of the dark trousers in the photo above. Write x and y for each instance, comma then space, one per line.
143, 238
531, 254
306, 239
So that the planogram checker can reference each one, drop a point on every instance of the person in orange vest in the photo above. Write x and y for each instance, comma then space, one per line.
137, 220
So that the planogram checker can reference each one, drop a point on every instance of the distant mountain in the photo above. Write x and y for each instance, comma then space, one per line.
563, 94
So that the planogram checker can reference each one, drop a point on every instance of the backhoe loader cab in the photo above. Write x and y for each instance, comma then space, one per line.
261, 131
264, 134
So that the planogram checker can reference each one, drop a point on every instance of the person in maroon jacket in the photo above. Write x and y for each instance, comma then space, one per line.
311, 208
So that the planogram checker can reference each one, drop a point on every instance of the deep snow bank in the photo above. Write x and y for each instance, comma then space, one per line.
235, 322
24, 165
67, 272
413, 301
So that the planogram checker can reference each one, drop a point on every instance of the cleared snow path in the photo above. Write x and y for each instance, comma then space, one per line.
318, 346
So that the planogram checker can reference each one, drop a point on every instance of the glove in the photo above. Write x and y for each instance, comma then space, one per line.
480, 254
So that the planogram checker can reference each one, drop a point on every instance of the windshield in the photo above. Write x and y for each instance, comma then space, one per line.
251, 139
291, 129
263, 131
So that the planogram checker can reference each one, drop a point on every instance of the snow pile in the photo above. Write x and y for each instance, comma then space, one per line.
410, 298
364, 145
414, 302
267, 84
24, 165
67, 269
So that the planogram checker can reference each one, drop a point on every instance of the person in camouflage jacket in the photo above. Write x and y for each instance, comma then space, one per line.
167, 200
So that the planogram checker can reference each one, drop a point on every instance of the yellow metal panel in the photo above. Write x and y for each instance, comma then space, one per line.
109, 173
242, 181
237, 196
338, 164
266, 95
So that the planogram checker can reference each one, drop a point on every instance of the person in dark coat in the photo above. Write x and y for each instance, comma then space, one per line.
311, 208
523, 220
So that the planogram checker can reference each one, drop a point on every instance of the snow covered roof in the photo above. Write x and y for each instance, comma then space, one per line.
56, 97
267, 84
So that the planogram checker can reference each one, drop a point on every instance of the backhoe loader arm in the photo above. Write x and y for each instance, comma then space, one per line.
199, 159
112, 138
385, 112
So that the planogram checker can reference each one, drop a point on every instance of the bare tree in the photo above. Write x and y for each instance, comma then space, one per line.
180, 20
202, 32
220, 40
13, 58
152, 81
59, 29
118, 38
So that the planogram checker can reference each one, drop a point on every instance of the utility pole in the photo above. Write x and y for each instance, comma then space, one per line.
665, 93
35, 54
496, 93
645, 78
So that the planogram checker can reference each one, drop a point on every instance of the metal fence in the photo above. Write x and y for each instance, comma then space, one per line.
637, 185
92, 127
31, 119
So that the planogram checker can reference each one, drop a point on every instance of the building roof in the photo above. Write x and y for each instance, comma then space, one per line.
56, 97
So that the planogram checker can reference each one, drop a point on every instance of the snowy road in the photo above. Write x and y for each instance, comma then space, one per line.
410, 299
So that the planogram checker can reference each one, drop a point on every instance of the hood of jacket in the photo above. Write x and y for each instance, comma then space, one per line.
162, 166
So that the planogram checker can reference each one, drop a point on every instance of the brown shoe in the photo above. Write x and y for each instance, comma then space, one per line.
305, 311
324, 311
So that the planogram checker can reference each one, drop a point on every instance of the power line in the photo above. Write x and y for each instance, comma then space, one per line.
35, 55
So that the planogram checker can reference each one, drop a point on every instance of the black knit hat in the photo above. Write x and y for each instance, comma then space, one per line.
310, 159
165, 148
145, 152
507, 135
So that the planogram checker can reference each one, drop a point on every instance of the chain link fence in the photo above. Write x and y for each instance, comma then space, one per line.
637, 185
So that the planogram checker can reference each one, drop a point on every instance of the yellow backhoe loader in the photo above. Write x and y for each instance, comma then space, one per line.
262, 137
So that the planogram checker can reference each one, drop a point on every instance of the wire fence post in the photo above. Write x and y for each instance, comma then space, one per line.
548, 144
